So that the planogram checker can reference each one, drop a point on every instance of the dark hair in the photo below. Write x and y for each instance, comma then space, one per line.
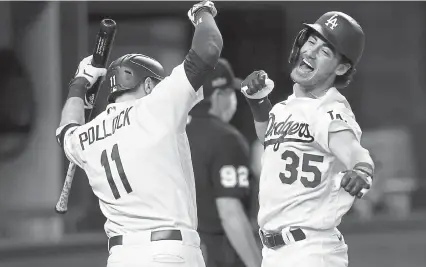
344, 80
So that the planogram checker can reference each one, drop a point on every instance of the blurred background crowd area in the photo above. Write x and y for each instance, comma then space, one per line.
41, 44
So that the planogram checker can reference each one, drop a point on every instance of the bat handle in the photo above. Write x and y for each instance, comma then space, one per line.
62, 204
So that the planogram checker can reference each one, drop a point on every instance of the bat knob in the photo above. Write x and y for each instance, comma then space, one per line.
108, 22
61, 211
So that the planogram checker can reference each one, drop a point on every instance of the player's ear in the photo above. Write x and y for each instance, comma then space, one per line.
148, 85
342, 68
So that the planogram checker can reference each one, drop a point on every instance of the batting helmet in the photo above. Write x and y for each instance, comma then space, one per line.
129, 71
340, 30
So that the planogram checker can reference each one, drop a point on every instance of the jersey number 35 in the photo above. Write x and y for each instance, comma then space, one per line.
292, 169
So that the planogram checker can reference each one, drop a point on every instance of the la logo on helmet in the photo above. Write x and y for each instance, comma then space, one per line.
332, 22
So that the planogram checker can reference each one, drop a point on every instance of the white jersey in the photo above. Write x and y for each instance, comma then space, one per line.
300, 181
136, 156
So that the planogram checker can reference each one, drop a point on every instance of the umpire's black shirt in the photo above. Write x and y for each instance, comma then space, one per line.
220, 158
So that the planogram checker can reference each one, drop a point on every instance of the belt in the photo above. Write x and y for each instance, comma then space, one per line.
155, 236
274, 240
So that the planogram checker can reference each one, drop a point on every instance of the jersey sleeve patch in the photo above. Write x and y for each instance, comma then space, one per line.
340, 121
335, 120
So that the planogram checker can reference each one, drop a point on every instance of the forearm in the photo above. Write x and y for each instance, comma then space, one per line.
240, 234
260, 109
207, 41
73, 111
261, 130
349, 151
357, 160
361, 159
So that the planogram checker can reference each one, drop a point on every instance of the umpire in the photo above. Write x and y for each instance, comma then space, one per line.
220, 156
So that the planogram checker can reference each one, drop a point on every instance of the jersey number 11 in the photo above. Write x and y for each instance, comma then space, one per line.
115, 156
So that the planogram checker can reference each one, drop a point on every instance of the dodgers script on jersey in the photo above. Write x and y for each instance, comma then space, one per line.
300, 180
137, 159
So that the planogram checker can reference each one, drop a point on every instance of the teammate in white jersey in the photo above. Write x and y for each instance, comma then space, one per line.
136, 153
313, 164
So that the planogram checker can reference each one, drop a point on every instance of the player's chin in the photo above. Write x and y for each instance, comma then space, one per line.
302, 78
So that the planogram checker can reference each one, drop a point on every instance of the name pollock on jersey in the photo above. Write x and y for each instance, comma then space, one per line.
286, 131
96, 133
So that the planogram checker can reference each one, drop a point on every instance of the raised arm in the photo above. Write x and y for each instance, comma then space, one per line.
73, 111
179, 92
256, 88
206, 45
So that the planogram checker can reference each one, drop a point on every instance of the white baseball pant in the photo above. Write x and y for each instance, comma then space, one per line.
138, 250
319, 249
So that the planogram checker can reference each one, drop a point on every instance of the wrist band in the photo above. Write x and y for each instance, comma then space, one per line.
365, 168
78, 88
260, 108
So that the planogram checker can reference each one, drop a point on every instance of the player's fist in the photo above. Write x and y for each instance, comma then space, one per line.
356, 183
203, 5
257, 85
87, 71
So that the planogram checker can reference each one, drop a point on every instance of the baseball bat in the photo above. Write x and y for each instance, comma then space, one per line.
101, 52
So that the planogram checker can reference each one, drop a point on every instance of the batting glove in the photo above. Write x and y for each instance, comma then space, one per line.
203, 5
357, 182
257, 85
86, 70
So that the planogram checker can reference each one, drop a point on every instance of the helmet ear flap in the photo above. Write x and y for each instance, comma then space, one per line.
300, 40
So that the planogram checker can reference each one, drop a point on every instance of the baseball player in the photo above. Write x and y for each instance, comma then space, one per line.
313, 165
220, 156
136, 153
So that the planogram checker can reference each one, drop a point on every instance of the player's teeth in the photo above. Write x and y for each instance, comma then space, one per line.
307, 63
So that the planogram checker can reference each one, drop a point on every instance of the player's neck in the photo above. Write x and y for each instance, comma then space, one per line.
128, 96
124, 99
317, 92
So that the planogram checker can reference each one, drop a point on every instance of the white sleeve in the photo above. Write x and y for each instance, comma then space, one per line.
171, 100
335, 120
71, 144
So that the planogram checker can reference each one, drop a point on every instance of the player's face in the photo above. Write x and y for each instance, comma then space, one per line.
316, 65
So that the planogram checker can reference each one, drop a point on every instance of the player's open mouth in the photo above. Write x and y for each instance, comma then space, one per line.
305, 66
